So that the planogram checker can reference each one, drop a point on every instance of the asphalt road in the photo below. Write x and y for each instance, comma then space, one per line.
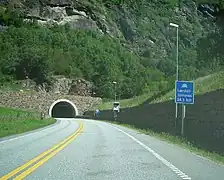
94, 150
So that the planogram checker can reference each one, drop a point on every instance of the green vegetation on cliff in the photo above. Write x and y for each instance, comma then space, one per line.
38, 52
140, 56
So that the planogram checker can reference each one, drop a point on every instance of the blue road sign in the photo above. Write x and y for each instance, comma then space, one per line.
184, 92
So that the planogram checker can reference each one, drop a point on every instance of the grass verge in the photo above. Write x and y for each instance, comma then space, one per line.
14, 121
179, 141
125, 103
202, 85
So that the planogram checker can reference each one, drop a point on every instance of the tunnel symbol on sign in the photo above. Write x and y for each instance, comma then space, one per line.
184, 86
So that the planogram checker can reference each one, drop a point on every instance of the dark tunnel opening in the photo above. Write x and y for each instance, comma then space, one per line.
63, 110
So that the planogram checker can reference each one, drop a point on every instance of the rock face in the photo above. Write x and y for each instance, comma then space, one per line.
62, 85
81, 87
75, 13
40, 101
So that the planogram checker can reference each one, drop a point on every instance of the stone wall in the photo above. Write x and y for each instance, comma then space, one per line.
204, 123
40, 101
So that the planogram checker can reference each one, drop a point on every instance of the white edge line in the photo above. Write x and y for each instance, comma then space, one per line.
164, 161
189, 151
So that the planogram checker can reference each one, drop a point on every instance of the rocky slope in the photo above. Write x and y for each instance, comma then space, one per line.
60, 85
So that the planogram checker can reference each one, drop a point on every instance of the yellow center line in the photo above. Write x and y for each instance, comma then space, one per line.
51, 150
39, 163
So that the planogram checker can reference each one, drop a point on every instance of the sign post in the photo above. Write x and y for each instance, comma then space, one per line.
184, 94
182, 119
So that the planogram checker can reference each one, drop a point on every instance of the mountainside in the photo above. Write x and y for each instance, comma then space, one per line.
103, 41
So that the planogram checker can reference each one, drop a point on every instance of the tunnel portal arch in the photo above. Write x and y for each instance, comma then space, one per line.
65, 104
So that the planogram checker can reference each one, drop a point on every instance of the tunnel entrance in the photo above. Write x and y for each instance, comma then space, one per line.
63, 108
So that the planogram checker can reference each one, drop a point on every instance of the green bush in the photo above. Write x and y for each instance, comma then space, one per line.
37, 52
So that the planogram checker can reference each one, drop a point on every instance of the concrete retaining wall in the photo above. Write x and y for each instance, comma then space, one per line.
204, 123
